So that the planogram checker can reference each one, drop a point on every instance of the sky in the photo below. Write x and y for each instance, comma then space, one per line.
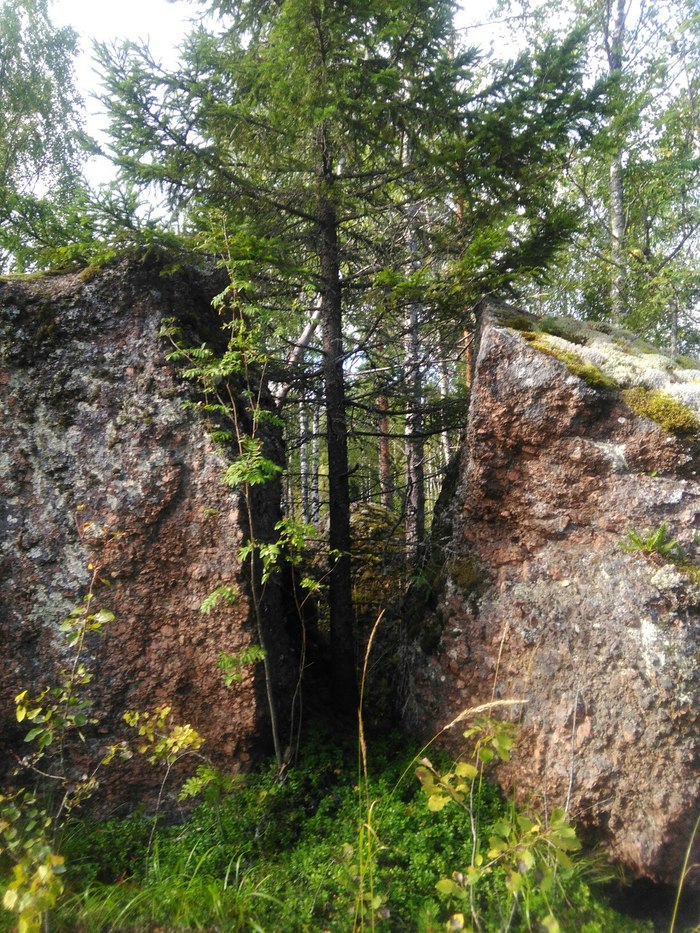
162, 24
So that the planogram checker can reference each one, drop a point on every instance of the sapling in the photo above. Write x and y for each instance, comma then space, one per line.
525, 848
31, 822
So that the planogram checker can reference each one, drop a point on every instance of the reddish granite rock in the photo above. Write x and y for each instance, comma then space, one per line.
540, 602
100, 463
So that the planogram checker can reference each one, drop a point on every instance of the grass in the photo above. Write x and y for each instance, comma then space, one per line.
285, 855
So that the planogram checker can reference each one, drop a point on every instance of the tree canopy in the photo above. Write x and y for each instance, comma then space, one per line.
40, 133
364, 177
354, 156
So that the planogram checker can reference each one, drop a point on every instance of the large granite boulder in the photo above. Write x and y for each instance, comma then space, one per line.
538, 600
103, 469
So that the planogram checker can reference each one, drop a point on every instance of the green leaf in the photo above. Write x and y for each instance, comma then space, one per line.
103, 616
34, 733
465, 769
551, 924
449, 888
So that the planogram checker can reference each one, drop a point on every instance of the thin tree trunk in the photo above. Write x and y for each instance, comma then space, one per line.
340, 584
315, 460
445, 393
617, 239
386, 483
674, 326
413, 430
414, 443
614, 44
304, 461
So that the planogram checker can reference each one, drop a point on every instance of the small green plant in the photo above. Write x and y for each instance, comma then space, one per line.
225, 593
671, 415
654, 541
566, 329
251, 467
31, 823
160, 739
210, 782
26, 831
687, 362
231, 383
517, 321
232, 666
525, 849
163, 742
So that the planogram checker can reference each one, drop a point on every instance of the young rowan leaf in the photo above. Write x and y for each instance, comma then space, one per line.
437, 802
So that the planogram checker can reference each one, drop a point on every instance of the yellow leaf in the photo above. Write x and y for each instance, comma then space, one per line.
436, 802
464, 769
10, 899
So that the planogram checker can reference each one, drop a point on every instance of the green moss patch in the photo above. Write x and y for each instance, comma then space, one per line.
670, 414
690, 570
567, 330
467, 574
577, 366
686, 362
516, 321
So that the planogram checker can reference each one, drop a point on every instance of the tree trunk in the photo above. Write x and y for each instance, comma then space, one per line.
386, 485
445, 394
617, 239
614, 44
304, 461
315, 460
340, 585
414, 442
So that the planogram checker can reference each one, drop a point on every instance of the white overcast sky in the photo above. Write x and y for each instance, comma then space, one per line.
163, 24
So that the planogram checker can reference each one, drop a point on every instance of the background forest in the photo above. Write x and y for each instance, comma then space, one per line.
364, 175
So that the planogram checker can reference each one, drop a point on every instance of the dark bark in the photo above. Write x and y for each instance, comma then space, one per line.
386, 484
340, 588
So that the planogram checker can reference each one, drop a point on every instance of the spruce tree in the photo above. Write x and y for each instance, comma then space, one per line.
297, 139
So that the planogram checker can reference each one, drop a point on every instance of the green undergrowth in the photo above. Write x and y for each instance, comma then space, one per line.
659, 541
284, 855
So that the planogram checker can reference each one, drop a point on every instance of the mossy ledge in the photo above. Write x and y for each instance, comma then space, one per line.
577, 366
671, 415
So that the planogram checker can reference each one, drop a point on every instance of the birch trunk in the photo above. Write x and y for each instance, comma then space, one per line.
414, 443
614, 44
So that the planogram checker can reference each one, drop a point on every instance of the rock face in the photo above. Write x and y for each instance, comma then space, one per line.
101, 465
540, 602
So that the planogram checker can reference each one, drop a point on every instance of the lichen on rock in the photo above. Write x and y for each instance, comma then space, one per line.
101, 463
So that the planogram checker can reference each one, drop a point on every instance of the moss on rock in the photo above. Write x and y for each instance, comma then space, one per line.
577, 366
670, 414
